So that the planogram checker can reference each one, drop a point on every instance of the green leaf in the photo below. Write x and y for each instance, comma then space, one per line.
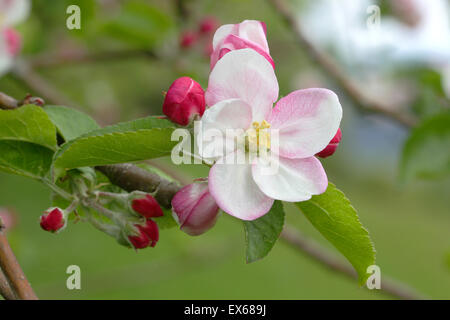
262, 233
335, 218
426, 153
24, 158
70, 122
28, 124
126, 142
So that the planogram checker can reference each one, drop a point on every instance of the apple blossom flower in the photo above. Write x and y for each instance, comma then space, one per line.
147, 207
53, 220
195, 209
247, 34
241, 92
184, 101
332, 146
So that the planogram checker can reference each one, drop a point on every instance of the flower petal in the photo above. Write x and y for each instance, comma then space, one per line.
221, 33
292, 180
307, 120
13, 12
255, 31
233, 42
246, 75
235, 192
226, 114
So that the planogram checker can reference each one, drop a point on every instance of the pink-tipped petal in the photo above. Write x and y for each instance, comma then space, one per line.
233, 42
294, 179
246, 75
307, 120
235, 192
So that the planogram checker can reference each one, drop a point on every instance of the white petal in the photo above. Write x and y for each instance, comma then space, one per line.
253, 31
228, 116
13, 11
246, 75
235, 192
221, 33
307, 120
292, 180
6, 60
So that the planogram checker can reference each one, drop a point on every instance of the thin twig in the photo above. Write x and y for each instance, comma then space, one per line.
313, 250
12, 270
5, 289
353, 91
9, 103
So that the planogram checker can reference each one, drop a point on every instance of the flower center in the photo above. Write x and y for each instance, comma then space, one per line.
258, 136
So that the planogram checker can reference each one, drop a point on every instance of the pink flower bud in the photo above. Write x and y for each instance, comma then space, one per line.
184, 100
247, 34
332, 146
188, 39
140, 241
53, 220
152, 232
208, 25
147, 207
13, 41
148, 235
195, 209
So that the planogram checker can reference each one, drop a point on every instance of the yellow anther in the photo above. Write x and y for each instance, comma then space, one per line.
258, 136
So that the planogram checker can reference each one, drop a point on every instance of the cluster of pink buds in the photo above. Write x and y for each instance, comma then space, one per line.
53, 220
146, 234
202, 34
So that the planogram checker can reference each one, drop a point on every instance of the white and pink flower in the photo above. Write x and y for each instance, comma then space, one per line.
11, 13
241, 92
247, 34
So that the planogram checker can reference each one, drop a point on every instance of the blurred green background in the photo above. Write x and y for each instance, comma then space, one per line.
408, 222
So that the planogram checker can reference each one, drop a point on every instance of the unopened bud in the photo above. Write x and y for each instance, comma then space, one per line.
147, 235
195, 209
184, 101
208, 25
53, 220
147, 207
332, 146
188, 39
